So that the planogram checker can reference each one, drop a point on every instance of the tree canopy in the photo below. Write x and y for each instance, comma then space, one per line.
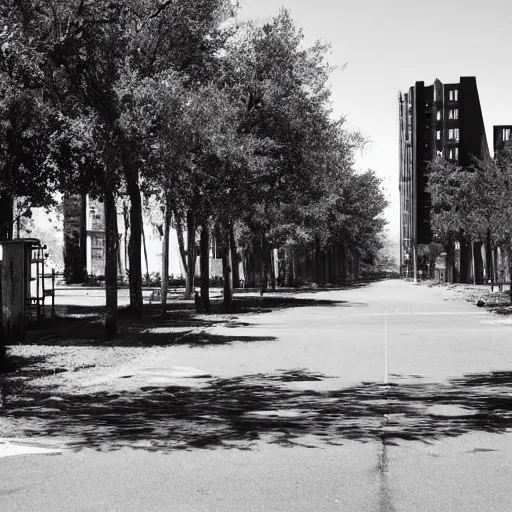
227, 126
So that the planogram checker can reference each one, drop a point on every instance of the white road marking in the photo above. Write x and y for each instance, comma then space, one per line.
497, 321
10, 449
424, 313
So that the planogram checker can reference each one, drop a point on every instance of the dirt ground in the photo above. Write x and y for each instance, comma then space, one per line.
495, 301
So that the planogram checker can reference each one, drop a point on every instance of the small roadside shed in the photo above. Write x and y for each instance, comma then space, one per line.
15, 286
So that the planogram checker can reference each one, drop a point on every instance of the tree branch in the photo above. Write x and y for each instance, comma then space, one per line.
155, 14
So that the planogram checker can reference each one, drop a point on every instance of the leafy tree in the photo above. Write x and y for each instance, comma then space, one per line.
25, 127
472, 202
490, 215
219, 163
280, 89
84, 49
165, 37
450, 188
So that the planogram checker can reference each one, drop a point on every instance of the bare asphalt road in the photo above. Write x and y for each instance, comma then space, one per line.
296, 420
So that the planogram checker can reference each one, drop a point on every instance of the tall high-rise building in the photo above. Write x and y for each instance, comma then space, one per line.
439, 120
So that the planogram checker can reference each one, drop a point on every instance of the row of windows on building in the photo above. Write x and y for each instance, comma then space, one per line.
453, 113
453, 95
453, 134
451, 153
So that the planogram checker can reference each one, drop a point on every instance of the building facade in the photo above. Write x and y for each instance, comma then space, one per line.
439, 120
84, 244
501, 135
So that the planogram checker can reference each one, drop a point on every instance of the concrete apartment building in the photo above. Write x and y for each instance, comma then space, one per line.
438, 120
501, 135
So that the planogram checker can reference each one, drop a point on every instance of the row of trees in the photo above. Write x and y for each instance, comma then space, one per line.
225, 128
472, 205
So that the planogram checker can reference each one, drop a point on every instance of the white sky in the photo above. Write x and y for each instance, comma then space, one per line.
387, 46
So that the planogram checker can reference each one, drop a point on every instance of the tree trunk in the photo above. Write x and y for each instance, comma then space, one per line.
245, 268
145, 254
181, 242
510, 269
473, 260
205, 267
84, 214
450, 260
287, 267
6, 216
293, 267
465, 260
495, 266
119, 259
165, 256
234, 258
272, 263
488, 258
249, 273
226, 268
3, 336
318, 264
135, 243
191, 255
126, 218
264, 264
111, 241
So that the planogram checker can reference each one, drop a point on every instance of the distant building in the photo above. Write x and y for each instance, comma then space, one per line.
439, 120
501, 135
84, 242
75, 238
84, 252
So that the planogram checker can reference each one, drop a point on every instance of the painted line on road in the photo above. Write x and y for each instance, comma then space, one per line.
423, 313
450, 332
10, 448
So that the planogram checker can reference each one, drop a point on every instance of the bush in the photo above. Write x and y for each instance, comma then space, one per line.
152, 280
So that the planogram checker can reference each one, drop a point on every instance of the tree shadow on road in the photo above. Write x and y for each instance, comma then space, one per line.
272, 408
83, 326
